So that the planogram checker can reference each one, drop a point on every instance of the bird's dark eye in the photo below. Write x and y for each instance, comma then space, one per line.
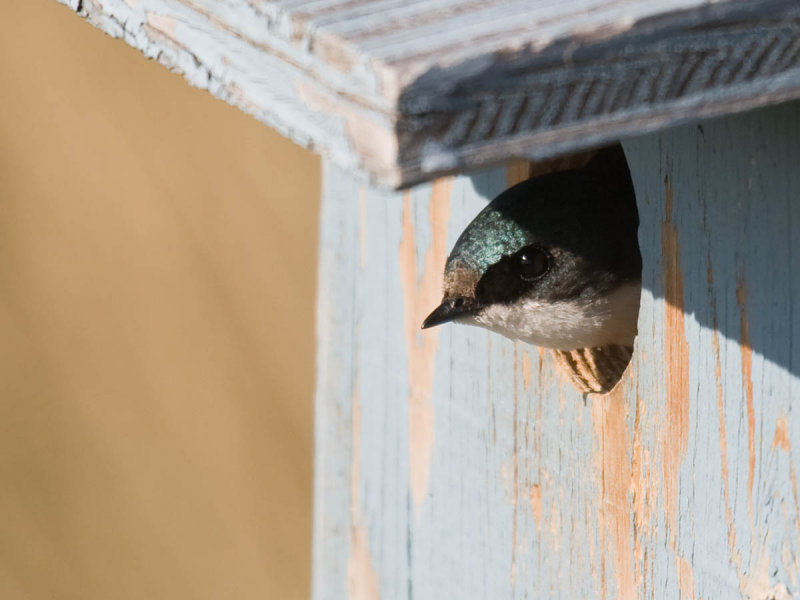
533, 263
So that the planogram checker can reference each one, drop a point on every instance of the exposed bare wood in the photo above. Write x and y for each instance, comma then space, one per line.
408, 90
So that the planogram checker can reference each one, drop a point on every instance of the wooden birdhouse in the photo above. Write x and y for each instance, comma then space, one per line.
454, 462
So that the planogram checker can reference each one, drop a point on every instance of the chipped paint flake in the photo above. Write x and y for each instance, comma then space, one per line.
685, 578
757, 583
421, 291
735, 557
747, 385
781, 437
526, 370
535, 498
362, 578
675, 435
612, 436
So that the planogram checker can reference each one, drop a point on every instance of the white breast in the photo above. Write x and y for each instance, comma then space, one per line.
567, 325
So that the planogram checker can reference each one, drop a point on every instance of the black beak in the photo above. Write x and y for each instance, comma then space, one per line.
449, 309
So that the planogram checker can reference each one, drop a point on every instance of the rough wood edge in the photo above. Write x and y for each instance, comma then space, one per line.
576, 94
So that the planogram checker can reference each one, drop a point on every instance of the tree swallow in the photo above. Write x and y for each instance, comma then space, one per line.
554, 261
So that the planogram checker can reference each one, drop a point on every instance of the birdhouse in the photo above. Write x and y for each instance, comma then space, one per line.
454, 462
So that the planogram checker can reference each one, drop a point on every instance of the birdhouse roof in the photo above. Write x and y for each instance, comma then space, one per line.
410, 89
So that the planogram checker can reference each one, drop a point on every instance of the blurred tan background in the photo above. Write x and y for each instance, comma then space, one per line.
157, 270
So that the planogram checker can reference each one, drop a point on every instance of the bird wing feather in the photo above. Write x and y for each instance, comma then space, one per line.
594, 370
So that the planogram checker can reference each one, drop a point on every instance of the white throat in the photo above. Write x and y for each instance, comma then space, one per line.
567, 324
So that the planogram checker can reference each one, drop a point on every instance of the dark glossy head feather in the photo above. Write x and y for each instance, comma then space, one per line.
586, 220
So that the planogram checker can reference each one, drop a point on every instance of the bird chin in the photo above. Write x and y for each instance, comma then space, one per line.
566, 325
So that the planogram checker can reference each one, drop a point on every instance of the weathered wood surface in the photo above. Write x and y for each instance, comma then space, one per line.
407, 90
453, 463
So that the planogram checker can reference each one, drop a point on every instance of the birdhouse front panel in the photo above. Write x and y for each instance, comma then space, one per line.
453, 462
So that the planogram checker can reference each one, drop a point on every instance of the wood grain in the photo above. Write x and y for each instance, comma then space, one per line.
681, 483
410, 90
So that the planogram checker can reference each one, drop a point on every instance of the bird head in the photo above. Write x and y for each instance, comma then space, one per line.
553, 261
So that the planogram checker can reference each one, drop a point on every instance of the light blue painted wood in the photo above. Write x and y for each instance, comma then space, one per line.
735, 213
462, 466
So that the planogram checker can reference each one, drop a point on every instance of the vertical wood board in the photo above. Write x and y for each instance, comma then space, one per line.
454, 463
